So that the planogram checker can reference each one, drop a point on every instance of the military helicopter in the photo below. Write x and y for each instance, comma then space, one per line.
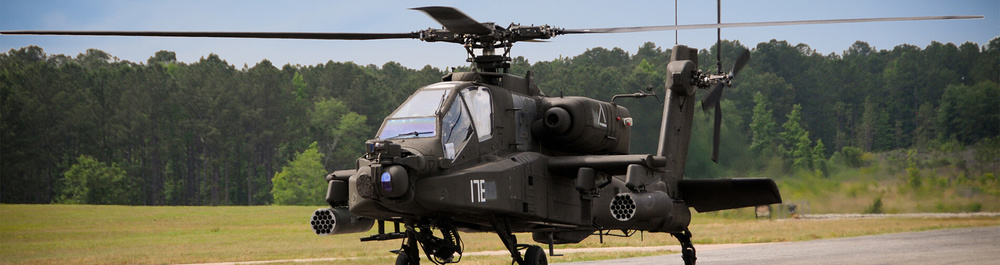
488, 151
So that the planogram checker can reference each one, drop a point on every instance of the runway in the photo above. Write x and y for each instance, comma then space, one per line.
951, 246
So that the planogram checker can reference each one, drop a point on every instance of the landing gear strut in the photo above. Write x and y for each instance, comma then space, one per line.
438, 250
687, 248
533, 255
409, 252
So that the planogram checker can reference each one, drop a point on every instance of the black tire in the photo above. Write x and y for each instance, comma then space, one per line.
402, 259
688, 255
535, 255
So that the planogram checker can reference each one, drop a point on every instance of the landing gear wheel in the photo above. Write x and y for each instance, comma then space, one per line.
688, 255
402, 259
409, 252
687, 248
535, 255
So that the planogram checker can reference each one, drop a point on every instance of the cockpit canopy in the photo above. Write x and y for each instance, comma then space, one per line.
453, 111
416, 117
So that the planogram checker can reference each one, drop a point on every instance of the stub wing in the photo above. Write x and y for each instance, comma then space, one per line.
706, 195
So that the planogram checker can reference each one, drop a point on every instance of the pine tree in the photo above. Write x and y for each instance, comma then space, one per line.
796, 144
819, 157
762, 127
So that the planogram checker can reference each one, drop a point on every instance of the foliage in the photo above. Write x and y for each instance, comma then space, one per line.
876, 207
339, 132
90, 181
302, 181
852, 157
819, 157
795, 142
762, 127
209, 133
987, 154
204, 133
970, 113
913, 177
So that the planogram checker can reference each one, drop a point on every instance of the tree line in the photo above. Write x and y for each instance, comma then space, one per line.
169, 133
95, 129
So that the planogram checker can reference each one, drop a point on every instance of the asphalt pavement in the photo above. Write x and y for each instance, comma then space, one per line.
950, 246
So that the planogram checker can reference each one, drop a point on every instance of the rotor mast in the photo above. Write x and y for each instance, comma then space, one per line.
485, 37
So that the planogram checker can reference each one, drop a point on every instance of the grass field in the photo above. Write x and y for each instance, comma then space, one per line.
82, 234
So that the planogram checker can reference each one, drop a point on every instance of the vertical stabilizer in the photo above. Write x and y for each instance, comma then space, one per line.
678, 110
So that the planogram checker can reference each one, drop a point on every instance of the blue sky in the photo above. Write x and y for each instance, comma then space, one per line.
394, 16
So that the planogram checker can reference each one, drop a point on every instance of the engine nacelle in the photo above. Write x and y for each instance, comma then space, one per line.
584, 125
332, 221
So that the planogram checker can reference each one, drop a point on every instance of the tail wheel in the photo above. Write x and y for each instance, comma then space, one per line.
535, 255
688, 255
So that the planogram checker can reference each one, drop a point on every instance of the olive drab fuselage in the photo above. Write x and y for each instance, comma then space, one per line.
481, 145
473, 150
489, 152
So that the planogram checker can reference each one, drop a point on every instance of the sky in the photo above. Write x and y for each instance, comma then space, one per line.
395, 17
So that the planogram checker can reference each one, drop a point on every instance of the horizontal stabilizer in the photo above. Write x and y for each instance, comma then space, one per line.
707, 195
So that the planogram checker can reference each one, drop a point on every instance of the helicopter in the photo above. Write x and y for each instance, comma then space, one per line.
489, 151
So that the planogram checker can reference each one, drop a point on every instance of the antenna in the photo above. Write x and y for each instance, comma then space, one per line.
675, 22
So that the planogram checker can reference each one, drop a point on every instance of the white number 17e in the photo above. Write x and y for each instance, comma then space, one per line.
478, 190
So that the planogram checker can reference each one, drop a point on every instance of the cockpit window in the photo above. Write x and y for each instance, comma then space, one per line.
423, 104
415, 118
456, 129
408, 128
481, 108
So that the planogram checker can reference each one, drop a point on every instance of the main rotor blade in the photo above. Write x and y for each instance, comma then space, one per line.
257, 35
757, 24
454, 20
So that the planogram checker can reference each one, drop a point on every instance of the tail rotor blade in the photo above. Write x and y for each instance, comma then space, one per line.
714, 95
741, 61
717, 131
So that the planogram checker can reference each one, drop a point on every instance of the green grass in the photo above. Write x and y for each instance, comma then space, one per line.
155, 235
853, 195
905, 181
84, 234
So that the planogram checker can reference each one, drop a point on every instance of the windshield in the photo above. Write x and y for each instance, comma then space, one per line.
422, 104
415, 118
408, 128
